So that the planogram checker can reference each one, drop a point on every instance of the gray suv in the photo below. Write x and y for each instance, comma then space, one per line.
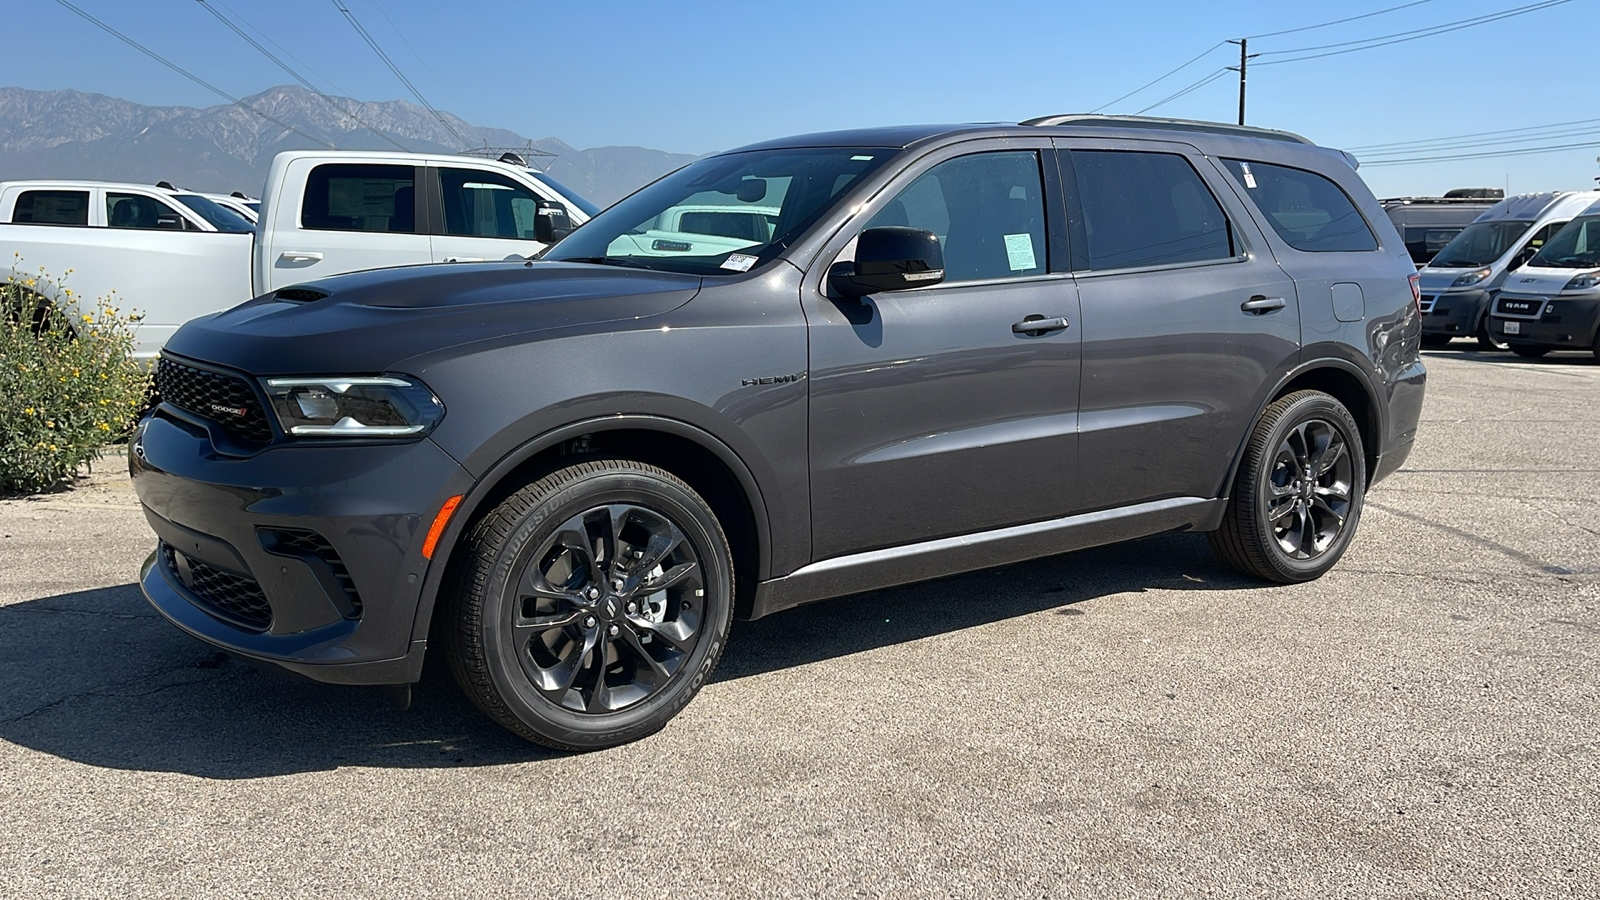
797, 370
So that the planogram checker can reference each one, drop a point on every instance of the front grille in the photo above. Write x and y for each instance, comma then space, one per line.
225, 399
233, 598
309, 544
1519, 307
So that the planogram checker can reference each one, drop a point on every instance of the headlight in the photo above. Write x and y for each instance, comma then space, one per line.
349, 406
1471, 278
1583, 282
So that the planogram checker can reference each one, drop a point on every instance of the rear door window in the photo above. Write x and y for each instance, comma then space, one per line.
487, 204
357, 197
1310, 212
139, 211
51, 208
1145, 209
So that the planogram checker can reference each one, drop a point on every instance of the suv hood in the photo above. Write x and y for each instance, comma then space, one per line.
1541, 281
365, 322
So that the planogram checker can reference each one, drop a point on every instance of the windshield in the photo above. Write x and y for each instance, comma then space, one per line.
222, 218
1577, 246
722, 215
1480, 244
578, 200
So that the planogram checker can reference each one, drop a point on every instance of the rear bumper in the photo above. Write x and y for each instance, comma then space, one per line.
1455, 314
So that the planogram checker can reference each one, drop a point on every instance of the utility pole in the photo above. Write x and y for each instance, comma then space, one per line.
1244, 60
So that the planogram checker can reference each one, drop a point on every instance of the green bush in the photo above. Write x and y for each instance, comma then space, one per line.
68, 386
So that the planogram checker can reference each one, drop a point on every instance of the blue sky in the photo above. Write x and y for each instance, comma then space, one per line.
695, 76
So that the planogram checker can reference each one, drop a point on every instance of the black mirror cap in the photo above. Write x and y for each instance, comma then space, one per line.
551, 223
893, 258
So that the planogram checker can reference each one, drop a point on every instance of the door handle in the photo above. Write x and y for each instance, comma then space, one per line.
1259, 305
1039, 325
300, 256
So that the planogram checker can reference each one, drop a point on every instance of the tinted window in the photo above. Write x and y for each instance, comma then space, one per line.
1308, 211
1575, 246
1479, 244
139, 211
220, 217
52, 208
986, 209
1146, 209
344, 197
583, 204
486, 204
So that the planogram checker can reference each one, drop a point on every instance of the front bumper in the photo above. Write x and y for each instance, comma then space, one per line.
308, 557
1454, 313
1559, 323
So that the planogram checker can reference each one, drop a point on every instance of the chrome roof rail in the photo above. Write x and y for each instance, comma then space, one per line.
1094, 119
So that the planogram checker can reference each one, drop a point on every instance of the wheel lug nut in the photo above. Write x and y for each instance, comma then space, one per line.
612, 631
617, 584
633, 608
588, 622
593, 593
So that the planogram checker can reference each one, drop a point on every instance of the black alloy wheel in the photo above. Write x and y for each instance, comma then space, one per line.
1298, 494
595, 603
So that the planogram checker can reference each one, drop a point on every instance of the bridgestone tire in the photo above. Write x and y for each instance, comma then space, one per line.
1529, 351
487, 601
1247, 539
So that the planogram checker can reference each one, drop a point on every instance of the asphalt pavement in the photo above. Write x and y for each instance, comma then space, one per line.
1130, 721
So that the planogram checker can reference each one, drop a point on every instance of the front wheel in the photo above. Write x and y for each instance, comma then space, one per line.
1297, 496
1435, 341
592, 605
1529, 351
1486, 338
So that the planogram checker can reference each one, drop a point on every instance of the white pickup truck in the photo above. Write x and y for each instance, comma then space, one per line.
322, 213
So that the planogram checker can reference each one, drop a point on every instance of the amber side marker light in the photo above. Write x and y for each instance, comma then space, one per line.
439, 521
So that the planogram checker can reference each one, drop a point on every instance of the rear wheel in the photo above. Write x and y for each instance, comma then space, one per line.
1531, 351
592, 605
1297, 497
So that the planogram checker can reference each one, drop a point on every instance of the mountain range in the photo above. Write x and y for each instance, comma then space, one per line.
71, 134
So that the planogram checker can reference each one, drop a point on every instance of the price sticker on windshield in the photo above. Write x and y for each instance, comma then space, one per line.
738, 262
1249, 177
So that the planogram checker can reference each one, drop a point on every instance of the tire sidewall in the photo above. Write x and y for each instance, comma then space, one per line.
640, 488
1303, 409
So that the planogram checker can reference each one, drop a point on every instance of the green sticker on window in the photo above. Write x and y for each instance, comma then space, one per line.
1019, 252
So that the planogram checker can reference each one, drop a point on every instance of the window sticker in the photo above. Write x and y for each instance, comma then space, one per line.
1249, 177
738, 262
1019, 252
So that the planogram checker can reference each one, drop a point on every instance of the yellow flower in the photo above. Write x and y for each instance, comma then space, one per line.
29, 410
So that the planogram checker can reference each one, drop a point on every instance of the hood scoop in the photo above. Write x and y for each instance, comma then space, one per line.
299, 294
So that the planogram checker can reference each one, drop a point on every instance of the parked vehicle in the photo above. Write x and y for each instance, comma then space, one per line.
957, 347
1553, 302
239, 202
1429, 223
175, 255
1459, 285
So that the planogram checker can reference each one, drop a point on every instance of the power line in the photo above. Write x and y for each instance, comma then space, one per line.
296, 75
1188, 90
281, 49
366, 36
1415, 160
1402, 37
1500, 142
1161, 79
420, 58
1475, 134
188, 74
1338, 21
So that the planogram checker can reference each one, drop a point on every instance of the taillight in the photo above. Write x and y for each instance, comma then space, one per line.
1416, 291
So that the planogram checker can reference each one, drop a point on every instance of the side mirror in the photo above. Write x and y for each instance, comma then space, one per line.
550, 222
891, 258
1522, 257
170, 222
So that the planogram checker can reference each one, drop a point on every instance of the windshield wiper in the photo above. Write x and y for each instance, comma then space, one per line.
605, 261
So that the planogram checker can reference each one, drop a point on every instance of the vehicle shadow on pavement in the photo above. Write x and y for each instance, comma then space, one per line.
97, 677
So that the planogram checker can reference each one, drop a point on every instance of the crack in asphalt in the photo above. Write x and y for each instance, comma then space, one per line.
1522, 556
18, 607
108, 690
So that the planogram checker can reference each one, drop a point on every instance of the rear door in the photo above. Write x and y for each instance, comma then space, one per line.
930, 415
349, 216
1186, 315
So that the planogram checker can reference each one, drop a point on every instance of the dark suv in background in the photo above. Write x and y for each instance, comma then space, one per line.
880, 356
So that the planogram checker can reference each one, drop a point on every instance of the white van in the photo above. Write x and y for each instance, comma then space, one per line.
1553, 302
1460, 283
